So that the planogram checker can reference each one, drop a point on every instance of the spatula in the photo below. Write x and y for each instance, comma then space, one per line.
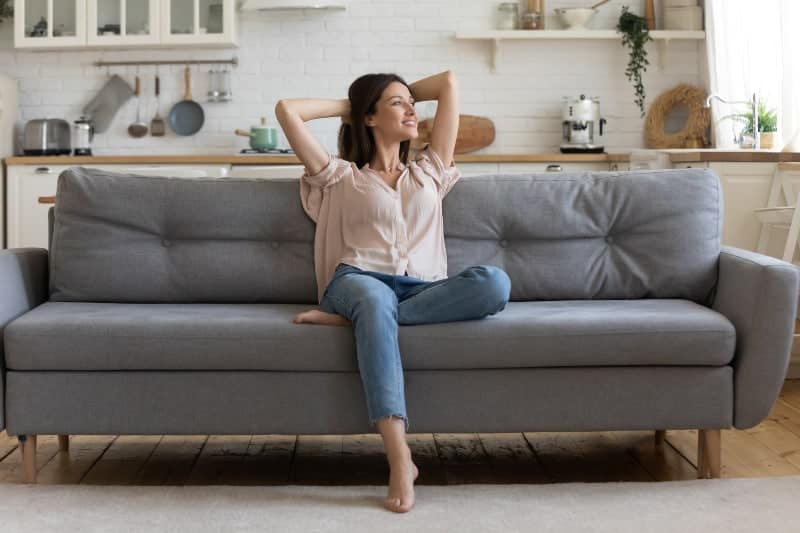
157, 125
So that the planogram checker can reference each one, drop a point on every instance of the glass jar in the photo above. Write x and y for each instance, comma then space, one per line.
530, 20
508, 16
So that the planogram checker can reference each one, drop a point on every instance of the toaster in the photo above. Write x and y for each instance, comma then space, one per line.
47, 136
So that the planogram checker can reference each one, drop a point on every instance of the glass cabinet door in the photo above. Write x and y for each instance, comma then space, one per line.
198, 21
49, 23
123, 22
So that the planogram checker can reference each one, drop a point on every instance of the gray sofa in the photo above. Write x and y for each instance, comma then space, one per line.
164, 306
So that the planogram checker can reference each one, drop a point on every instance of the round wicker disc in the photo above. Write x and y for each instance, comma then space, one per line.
696, 124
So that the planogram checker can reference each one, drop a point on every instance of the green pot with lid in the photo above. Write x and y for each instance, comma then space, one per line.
262, 137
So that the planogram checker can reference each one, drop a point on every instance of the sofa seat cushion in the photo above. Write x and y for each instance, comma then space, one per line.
109, 336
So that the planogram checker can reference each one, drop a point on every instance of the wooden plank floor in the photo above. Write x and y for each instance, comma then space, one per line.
770, 449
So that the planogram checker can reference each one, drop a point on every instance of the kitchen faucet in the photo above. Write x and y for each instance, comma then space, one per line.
753, 103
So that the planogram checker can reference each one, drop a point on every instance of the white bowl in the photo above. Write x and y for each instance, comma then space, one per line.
575, 18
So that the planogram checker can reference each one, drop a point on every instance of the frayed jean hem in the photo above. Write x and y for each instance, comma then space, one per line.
374, 422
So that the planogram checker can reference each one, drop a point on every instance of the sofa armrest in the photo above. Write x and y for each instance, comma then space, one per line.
23, 286
758, 294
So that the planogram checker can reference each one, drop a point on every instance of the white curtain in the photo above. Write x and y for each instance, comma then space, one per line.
750, 49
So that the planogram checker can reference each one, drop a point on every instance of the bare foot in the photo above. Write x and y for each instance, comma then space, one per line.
316, 316
401, 486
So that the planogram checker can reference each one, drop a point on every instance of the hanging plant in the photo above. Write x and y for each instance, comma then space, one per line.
635, 35
5, 9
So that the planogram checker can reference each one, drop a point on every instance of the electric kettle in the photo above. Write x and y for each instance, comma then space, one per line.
82, 135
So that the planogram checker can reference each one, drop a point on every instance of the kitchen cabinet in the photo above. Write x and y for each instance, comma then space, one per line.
2, 218
267, 171
551, 166
122, 22
197, 21
106, 24
27, 218
478, 169
49, 23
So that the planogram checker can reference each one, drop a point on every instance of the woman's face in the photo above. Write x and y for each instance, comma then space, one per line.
395, 117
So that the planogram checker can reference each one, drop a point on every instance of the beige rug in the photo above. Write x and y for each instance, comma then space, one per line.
726, 505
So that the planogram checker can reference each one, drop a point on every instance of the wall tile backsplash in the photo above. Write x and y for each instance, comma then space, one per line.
314, 53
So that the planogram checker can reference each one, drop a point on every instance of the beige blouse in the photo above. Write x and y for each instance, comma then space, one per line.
365, 223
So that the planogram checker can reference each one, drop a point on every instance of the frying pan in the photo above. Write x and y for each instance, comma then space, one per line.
186, 117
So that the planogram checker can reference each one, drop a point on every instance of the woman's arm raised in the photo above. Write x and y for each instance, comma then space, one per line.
293, 113
442, 87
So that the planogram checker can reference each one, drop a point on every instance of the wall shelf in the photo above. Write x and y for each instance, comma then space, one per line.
496, 36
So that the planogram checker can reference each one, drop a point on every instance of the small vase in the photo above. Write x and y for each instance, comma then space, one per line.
650, 14
767, 139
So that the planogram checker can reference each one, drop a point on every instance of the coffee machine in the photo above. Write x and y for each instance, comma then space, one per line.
580, 117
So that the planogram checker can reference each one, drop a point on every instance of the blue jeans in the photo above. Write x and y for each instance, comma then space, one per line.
376, 303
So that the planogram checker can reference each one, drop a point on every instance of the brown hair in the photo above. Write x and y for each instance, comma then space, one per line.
356, 142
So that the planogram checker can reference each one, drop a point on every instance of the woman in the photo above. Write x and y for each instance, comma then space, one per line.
379, 243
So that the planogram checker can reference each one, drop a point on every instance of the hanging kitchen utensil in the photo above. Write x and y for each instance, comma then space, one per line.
187, 116
103, 107
138, 128
213, 85
225, 86
157, 125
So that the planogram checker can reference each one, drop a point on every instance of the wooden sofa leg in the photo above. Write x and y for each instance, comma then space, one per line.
661, 435
709, 453
28, 448
63, 443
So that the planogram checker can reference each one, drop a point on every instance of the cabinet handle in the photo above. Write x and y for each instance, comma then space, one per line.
554, 168
47, 199
44, 170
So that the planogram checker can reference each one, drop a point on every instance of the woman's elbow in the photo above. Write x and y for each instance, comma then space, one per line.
282, 110
450, 77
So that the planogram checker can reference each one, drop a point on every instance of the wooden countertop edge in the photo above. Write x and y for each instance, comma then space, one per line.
222, 159
289, 159
735, 157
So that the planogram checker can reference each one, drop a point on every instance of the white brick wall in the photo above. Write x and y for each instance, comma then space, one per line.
318, 54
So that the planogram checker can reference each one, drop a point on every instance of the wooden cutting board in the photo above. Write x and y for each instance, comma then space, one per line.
474, 133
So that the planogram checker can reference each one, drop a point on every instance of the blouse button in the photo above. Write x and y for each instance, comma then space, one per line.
503, 243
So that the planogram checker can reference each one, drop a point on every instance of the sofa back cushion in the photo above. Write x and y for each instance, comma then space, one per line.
609, 235
604, 235
127, 238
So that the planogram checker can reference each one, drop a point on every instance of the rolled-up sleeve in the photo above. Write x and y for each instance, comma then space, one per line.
432, 164
312, 187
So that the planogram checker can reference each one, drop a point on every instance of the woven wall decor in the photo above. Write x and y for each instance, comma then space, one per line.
697, 122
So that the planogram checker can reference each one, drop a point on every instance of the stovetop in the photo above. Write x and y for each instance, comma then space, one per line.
271, 151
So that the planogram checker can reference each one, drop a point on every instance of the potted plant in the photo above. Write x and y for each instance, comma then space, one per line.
767, 124
6, 10
635, 35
